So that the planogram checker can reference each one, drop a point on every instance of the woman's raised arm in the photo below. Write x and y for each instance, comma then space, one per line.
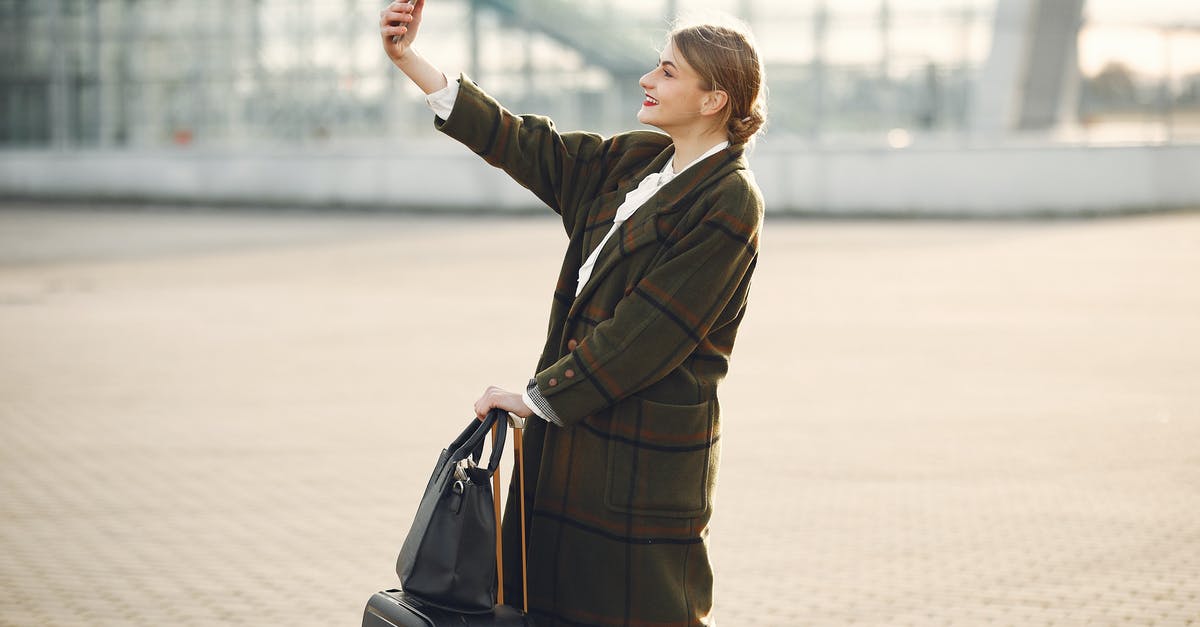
561, 169
398, 26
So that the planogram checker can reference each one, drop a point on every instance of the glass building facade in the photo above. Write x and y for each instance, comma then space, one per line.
231, 73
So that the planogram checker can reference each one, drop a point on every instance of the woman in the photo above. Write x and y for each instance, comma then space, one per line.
663, 230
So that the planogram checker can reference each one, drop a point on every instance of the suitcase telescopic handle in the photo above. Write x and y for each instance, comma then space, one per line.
518, 449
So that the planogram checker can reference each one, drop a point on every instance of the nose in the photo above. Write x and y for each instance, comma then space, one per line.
644, 81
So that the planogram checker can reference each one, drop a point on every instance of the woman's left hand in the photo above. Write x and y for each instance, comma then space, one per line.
499, 397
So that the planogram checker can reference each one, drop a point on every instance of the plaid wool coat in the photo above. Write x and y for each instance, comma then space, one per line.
619, 487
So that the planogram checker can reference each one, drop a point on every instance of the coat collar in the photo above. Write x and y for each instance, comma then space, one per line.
670, 198
641, 228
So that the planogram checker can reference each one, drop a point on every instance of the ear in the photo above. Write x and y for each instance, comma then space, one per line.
714, 102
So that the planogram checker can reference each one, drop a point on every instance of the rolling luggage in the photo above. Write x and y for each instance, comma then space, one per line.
394, 608
398, 608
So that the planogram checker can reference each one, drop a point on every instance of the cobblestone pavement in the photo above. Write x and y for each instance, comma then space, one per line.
218, 418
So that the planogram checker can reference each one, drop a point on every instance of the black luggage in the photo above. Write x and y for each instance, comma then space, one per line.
393, 608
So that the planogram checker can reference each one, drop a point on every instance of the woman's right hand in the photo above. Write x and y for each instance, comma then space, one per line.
398, 24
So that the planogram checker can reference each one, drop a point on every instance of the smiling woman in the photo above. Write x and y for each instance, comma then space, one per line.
663, 231
726, 62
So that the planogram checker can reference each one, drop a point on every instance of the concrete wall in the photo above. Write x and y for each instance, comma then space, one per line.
991, 181
1001, 180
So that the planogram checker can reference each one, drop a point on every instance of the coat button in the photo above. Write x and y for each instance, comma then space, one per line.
569, 373
571, 344
553, 381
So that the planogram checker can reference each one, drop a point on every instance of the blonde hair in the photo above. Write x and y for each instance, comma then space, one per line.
726, 59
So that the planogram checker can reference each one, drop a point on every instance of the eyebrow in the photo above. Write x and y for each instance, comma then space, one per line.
670, 63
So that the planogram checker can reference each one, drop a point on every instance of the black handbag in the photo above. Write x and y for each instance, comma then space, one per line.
448, 559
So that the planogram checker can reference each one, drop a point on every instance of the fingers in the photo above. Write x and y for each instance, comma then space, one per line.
398, 24
386, 16
404, 7
394, 23
492, 397
484, 403
393, 18
392, 30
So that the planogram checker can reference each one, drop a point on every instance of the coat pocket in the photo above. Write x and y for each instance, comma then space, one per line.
660, 458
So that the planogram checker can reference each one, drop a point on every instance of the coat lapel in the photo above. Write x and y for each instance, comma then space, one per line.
641, 228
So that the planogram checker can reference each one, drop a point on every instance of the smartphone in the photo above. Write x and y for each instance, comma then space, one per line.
396, 38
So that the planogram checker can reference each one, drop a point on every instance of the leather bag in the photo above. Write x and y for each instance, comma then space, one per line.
448, 559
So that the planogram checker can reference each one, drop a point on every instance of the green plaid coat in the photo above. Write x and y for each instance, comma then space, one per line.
619, 486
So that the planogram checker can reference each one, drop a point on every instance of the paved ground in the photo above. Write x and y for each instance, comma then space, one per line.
223, 419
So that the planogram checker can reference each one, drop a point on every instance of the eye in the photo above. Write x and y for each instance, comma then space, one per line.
666, 71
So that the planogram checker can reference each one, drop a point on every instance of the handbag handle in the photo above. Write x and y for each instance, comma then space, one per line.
470, 442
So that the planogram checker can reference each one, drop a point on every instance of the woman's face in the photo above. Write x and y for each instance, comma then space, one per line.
674, 97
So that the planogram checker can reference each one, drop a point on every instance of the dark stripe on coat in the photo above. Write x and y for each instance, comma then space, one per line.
683, 326
557, 619
593, 376
563, 508
668, 300
629, 527
608, 621
615, 537
737, 237
664, 448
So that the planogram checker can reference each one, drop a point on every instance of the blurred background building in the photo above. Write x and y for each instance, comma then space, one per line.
913, 107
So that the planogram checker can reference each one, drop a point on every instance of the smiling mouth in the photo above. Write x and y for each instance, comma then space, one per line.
649, 101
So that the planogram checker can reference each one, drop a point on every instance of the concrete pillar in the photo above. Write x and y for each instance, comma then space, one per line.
1051, 65
473, 39
60, 84
1030, 80
820, 30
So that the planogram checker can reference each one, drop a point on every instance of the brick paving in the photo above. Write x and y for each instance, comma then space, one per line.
216, 418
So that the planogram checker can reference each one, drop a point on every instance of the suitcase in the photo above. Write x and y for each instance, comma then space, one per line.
394, 608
